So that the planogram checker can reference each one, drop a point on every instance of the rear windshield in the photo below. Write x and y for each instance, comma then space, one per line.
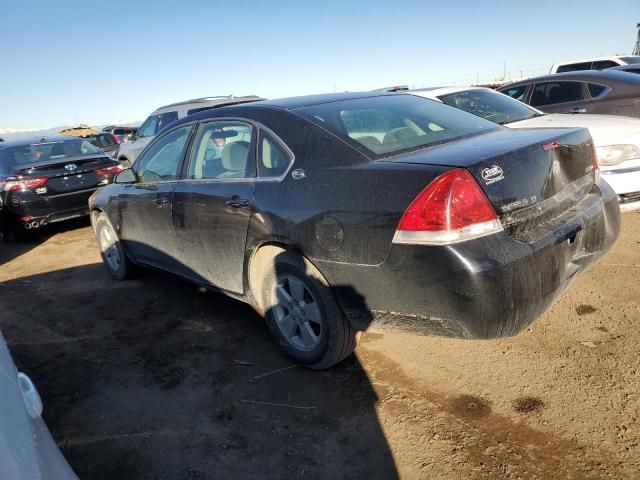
59, 150
494, 106
393, 124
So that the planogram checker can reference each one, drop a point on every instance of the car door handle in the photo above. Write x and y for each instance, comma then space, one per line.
161, 201
238, 203
577, 110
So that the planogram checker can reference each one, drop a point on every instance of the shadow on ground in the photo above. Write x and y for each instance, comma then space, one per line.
152, 378
26, 240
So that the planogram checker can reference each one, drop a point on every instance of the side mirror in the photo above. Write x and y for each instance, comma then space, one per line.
126, 176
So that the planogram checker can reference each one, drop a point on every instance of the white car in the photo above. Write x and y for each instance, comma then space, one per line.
27, 450
595, 63
616, 138
163, 116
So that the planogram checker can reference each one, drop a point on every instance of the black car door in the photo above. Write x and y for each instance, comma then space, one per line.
213, 202
145, 206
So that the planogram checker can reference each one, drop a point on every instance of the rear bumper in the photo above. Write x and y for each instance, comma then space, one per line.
490, 287
51, 209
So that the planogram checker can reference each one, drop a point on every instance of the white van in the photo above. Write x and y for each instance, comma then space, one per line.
596, 63
163, 116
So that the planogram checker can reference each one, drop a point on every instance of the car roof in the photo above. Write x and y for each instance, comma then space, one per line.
211, 101
433, 92
291, 103
592, 59
595, 75
23, 142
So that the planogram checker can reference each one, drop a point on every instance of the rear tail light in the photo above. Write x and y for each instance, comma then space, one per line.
596, 166
450, 209
22, 183
115, 139
110, 170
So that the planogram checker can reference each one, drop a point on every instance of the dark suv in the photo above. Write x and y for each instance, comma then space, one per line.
608, 92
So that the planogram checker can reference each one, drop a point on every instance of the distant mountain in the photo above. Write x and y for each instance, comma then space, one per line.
18, 134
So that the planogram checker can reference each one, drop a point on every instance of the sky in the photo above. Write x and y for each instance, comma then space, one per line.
66, 62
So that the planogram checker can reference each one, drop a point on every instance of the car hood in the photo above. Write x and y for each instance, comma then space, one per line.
604, 129
27, 450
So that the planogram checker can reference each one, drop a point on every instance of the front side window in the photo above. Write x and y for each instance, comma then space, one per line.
160, 162
491, 105
273, 159
516, 92
150, 127
222, 150
391, 124
550, 93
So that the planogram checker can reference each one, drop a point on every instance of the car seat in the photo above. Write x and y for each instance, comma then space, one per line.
234, 159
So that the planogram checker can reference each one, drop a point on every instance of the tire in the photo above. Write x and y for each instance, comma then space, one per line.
293, 316
113, 255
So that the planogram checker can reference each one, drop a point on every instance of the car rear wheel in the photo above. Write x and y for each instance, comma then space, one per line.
113, 255
303, 315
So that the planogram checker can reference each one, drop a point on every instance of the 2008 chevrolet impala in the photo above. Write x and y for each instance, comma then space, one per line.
329, 213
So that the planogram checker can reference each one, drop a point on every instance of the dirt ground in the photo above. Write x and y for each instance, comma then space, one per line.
153, 378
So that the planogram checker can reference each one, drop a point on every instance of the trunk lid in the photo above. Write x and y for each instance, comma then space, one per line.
529, 176
68, 175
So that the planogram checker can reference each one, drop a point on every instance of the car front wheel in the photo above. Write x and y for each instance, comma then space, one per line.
113, 256
303, 315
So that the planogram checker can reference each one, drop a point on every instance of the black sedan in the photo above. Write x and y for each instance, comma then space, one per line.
591, 91
332, 213
49, 180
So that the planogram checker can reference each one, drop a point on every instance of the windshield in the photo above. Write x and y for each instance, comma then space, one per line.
58, 150
390, 124
494, 106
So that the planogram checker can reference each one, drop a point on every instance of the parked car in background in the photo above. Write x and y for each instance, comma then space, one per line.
602, 92
50, 179
596, 63
616, 138
27, 450
327, 213
168, 114
122, 133
107, 142
633, 68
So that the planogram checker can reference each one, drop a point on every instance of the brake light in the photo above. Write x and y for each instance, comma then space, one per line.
451, 209
22, 183
596, 166
115, 139
110, 170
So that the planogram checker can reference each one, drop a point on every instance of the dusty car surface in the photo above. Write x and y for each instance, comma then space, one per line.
27, 450
616, 138
329, 213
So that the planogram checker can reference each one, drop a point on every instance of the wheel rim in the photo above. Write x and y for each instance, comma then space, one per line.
297, 313
109, 248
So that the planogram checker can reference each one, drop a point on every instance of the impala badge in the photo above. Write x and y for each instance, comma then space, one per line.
71, 167
492, 174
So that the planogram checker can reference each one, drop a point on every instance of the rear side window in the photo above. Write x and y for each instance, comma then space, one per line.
574, 67
274, 161
516, 92
390, 124
602, 64
550, 93
596, 90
